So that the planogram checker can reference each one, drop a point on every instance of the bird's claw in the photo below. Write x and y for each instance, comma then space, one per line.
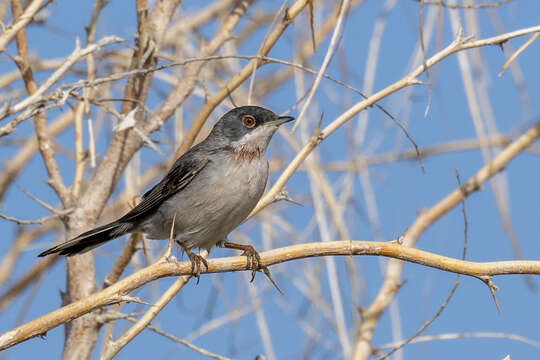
253, 260
254, 263
196, 264
196, 261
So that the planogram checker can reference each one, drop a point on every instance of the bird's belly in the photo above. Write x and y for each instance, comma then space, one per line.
213, 204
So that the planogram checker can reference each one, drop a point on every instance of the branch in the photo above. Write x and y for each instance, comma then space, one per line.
20, 22
21, 243
239, 78
468, 335
11, 169
459, 44
124, 145
73, 58
143, 322
159, 270
30, 277
123, 260
343, 10
427, 218
82, 334
40, 121
467, 6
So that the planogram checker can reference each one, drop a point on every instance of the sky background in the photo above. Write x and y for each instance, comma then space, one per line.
401, 190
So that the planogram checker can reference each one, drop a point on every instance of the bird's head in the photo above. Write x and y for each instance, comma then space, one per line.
248, 127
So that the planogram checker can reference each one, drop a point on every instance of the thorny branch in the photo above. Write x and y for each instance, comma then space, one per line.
37, 96
114, 293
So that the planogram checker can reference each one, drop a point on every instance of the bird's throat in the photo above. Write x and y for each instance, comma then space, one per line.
247, 152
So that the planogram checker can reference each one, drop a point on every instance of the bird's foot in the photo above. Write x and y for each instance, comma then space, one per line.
196, 265
254, 262
196, 262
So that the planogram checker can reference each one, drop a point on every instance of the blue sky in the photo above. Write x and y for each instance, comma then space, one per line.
400, 191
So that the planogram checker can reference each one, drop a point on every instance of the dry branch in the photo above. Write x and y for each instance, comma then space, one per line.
200, 75
141, 324
343, 10
10, 170
19, 23
459, 44
428, 217
82, 334
37, 95
239, 78
117, 291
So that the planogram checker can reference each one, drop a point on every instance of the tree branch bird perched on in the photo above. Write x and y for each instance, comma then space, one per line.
208, 191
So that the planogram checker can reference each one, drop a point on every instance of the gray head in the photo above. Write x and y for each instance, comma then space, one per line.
247, 125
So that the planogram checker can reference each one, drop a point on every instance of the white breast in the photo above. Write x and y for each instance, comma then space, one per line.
214, 203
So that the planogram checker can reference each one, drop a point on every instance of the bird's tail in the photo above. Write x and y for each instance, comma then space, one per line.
90, 239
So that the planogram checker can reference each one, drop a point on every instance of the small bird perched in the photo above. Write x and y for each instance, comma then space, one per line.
208, 191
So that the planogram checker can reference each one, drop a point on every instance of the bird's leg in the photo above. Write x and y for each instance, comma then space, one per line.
196, 261
253, 260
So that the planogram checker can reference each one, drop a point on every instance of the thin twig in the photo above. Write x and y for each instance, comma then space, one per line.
27, 222
450, 294
466, 6
19, 22
344, 8
74, 57
182, 341
516, 53
459, 44
143, 322
470, 335
290, 13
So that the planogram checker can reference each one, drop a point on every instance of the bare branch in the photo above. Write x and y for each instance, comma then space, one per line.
466, 6
141, 324
180, 341
111, 294
20, 21
344, 8
459, 44
37, 95
239, 78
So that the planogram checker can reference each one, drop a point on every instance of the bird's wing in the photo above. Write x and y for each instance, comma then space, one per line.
181, 174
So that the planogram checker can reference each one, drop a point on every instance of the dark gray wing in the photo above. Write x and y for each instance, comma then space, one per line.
184, 170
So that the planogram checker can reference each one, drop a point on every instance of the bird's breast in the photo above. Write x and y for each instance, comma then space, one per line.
218, 199
244, 179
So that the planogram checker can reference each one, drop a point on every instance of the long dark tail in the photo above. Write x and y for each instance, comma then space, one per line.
90, 239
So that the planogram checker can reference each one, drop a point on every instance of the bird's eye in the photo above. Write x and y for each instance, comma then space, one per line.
249, 121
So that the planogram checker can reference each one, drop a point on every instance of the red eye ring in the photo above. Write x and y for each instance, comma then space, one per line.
249, 121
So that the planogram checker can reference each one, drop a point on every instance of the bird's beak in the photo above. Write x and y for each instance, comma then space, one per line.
279, 121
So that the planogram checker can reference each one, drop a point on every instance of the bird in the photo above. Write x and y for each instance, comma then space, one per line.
205, 195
